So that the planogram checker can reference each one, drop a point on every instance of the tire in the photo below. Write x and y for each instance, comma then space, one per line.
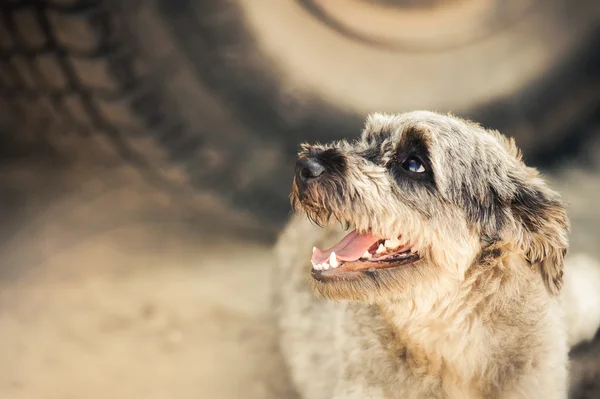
214, 96
283, 67
74, 71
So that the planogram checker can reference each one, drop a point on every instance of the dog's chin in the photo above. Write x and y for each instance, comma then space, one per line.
371, 281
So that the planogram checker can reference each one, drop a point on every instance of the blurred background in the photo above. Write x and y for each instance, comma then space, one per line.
147, 150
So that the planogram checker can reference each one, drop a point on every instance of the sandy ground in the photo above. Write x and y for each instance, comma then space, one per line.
111, 289
108, 289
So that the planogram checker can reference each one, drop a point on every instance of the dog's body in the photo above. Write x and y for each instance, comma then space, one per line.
462, 303
465, 346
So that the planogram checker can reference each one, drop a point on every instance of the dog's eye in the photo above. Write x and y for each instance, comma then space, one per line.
413, 165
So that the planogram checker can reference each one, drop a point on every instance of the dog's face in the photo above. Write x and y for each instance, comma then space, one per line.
425, 195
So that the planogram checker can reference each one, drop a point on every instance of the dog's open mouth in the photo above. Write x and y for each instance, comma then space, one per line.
357, 252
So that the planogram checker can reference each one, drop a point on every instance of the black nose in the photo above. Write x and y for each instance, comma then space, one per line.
308, 169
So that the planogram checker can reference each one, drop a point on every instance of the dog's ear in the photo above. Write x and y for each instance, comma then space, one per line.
543, 229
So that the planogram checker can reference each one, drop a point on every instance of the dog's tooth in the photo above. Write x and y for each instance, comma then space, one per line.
381, 249
367, 255
316, 266
314, 249
392, 243
325, 266
313, 263
333, 262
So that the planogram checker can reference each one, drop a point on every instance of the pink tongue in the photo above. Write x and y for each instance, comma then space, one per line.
351, 247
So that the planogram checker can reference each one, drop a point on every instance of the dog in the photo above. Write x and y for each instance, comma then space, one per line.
448, 283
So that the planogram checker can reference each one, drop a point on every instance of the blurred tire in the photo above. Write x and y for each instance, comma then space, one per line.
79, 71
299, 70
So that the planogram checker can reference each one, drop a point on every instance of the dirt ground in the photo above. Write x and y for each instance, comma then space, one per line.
111, 289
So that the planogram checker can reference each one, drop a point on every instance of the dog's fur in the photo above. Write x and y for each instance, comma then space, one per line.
477, 316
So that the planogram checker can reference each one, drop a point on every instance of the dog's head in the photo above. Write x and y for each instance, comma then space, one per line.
425, 195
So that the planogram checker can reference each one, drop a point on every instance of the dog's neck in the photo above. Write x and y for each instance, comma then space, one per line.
438, 333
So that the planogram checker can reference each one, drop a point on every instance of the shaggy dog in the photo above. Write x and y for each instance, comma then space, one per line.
447, 285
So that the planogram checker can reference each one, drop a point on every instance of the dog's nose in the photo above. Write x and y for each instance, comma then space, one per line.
308, 169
